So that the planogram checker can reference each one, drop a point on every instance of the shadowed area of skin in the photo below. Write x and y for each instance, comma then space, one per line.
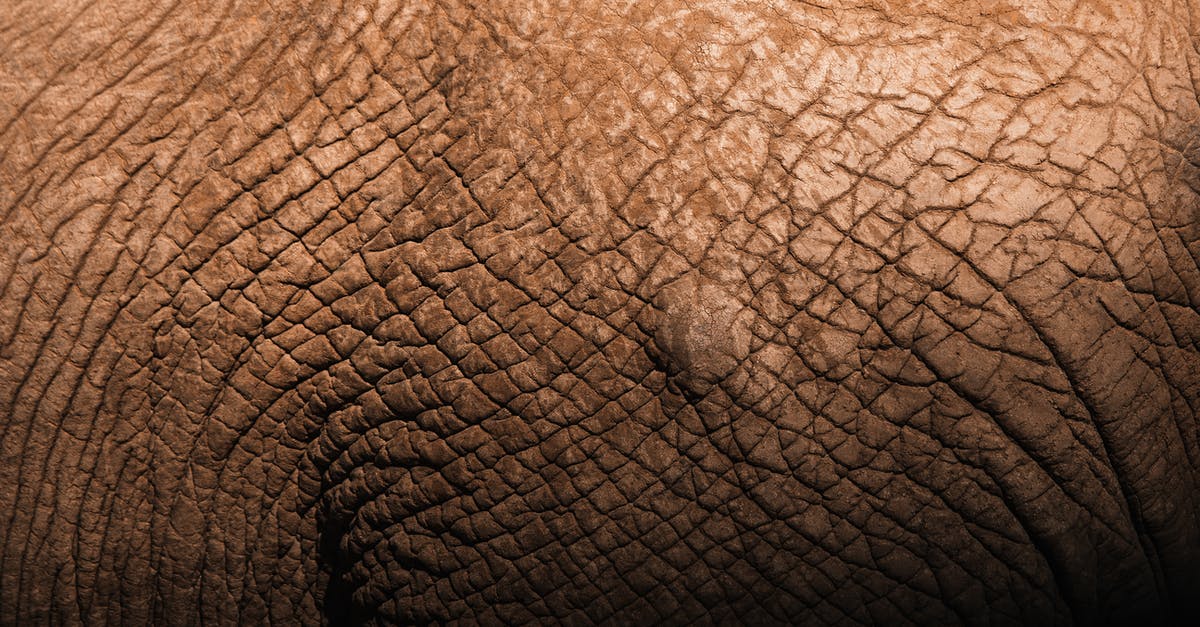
495, 312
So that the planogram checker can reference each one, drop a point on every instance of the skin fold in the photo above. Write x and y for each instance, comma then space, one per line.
588, 312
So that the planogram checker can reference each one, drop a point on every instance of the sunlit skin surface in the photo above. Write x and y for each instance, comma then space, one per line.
638, 313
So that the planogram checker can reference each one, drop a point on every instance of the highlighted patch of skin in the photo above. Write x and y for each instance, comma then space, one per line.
705, 333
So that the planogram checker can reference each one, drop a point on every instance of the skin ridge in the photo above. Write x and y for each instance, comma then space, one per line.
854, 313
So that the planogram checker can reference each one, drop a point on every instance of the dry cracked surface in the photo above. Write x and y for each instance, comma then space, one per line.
578, 312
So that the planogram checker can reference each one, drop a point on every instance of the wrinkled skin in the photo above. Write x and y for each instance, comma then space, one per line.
823, 313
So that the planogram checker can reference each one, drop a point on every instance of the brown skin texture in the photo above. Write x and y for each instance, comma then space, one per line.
686, 313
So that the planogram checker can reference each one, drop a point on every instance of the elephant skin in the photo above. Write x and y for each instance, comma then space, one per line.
701, 312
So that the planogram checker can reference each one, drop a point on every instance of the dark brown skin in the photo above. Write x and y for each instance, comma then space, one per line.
686, 313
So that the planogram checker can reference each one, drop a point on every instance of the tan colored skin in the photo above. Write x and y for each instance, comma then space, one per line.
703, 312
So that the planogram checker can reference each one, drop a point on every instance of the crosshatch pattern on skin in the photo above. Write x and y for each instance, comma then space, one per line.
584, 312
